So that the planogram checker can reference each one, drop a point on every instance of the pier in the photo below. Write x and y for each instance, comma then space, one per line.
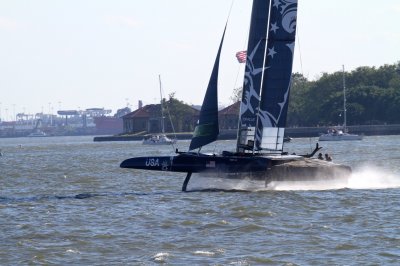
294, 132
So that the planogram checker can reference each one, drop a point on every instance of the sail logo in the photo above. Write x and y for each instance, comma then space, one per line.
249, 119
164, 165
152, 162
289, 14
249, 91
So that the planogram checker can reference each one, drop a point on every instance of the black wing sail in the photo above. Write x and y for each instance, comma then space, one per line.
207, 128
253, 74
277, 77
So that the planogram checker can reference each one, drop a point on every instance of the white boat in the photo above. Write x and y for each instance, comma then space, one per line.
338, 134
37, 134
159, 139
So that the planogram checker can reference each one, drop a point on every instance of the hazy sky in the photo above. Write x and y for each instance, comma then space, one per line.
72, 54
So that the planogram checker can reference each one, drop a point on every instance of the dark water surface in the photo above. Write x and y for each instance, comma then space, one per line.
65, 201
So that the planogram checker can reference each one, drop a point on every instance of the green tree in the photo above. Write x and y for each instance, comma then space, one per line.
297, 100
372, 97
236, 94
181, 114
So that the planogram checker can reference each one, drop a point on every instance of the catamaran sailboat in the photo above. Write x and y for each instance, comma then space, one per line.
259, 151
159, 139
337, 134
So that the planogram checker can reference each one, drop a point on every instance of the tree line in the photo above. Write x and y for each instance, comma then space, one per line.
372, 94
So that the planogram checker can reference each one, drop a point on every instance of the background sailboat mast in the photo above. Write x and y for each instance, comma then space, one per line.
344, 102
162, 108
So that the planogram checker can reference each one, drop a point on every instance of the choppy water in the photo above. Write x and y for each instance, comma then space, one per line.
64, 200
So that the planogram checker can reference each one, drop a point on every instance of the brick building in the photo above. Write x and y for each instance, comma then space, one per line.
148, 119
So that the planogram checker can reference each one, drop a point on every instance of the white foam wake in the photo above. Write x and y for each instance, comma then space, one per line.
373, 178
363, 178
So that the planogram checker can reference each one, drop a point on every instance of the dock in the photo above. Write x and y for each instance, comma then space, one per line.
293, 132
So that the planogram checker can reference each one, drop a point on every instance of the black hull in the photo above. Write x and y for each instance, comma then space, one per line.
196, 163
264, 168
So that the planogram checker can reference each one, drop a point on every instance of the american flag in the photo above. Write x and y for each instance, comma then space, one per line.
241, 56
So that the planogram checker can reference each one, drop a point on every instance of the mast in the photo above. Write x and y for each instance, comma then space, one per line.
162, 108
344, 102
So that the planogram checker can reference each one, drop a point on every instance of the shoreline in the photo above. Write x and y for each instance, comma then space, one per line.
293, 132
